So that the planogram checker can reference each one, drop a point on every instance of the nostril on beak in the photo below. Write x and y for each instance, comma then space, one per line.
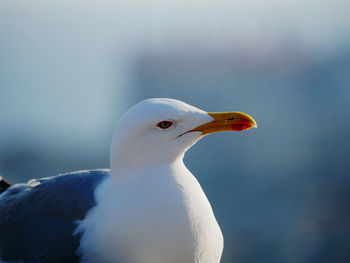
230, 119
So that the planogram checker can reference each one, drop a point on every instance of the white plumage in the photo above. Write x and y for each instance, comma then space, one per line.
153, 210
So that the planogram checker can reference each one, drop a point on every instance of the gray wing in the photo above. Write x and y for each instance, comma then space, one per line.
38, 219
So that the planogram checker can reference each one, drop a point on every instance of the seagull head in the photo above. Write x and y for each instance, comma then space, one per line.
159, 131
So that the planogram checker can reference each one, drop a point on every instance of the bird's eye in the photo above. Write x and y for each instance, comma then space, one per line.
164, 124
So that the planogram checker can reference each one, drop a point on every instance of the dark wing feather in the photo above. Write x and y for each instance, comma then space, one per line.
38, 219
3, 185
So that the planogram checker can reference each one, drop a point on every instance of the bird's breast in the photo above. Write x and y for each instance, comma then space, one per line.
164, 219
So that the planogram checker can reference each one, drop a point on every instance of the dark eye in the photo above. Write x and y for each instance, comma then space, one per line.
164, 124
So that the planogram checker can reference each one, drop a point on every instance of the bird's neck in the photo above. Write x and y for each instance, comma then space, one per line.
120, 172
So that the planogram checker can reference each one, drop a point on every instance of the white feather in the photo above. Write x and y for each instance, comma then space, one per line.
152, 210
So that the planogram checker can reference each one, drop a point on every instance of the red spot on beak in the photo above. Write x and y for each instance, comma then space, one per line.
241, 126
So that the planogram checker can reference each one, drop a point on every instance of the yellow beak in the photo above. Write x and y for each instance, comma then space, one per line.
226, 121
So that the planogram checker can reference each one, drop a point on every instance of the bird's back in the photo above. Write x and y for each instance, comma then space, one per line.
38, 219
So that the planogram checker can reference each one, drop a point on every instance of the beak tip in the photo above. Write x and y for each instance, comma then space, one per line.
255, 125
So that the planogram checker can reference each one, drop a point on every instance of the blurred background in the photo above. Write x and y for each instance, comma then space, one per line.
281, 193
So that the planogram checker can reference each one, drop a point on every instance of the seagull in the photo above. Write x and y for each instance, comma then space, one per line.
147, 208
